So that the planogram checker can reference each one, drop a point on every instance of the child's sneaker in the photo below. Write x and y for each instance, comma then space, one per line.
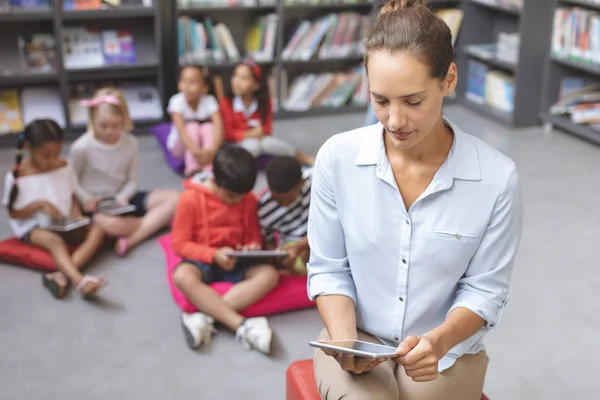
255, 333
198, 328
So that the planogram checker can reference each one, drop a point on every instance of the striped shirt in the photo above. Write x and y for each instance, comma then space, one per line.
290, 222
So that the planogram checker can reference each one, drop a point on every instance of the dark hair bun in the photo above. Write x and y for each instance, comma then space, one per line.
397, 5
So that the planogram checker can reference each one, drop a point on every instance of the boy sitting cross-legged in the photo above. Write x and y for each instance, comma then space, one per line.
216, 214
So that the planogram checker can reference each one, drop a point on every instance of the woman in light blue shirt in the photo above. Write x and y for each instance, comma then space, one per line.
413, 227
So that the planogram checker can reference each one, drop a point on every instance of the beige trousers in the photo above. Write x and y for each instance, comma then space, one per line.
388, 381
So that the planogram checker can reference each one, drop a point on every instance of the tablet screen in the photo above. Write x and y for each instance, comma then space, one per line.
362, 346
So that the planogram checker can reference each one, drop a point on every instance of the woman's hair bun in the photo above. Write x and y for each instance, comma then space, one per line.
397, 5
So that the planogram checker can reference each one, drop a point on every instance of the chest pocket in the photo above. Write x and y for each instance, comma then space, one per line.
454, 247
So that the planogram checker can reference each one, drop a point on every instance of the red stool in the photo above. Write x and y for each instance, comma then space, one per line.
300, 382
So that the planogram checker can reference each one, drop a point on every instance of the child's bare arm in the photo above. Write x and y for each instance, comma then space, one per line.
30, 210
219, 131
75, 208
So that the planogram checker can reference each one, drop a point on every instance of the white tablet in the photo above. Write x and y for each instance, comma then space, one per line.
357, 348
110, 207
67, 224
257, 253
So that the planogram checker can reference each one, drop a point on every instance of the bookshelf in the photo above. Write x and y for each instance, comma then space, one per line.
143, 22
516, 80
573, 67
283, 70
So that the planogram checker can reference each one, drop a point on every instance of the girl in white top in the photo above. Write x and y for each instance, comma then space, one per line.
105, 160
197, 131
41, 187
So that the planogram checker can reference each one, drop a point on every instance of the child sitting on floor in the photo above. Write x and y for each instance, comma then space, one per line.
197, 131
248, 115
217, 213
106, 161
41, 188
283, 211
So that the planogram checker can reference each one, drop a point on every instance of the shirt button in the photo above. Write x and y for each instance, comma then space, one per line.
396, 337
404, 261
401, 298
407, 222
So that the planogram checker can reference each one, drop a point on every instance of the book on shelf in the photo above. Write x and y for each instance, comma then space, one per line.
515, 4
579, 99
224, 3
7, 5
576, 34
70, 5
10, 112
37, 53
453, 17
327, 90
506, 49
42, 102
335, 35
324, 2
92, 48
208, 41
490, 87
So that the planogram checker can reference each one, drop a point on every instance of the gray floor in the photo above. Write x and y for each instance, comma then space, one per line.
131, 346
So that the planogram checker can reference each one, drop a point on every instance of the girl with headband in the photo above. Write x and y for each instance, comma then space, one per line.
106, 161
248, 115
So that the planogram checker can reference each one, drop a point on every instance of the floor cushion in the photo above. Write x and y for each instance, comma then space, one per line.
14, 251
161, 132
301, 385
289, 295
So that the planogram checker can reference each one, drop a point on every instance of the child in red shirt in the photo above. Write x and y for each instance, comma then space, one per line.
216, 214
248, 115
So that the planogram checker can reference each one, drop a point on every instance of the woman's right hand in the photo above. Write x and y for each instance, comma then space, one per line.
355, 364
49, 209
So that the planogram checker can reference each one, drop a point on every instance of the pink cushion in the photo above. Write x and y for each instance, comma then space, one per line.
289, 295
14, 251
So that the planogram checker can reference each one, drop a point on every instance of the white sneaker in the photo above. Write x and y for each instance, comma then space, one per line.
255, 333
198, 328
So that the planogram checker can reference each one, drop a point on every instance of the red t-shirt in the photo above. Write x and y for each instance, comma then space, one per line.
236, 123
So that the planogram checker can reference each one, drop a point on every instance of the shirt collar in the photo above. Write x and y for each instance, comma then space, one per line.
462, 162
238, 106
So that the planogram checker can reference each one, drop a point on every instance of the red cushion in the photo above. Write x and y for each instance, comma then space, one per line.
301, 385
289, 295
300, 381
14, 251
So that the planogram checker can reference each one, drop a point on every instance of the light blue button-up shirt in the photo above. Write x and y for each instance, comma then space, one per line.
406, 270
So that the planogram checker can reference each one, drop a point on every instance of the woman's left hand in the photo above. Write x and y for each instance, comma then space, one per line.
420, 357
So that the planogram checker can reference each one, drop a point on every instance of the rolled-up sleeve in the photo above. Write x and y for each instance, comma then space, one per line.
328, 268
484, 289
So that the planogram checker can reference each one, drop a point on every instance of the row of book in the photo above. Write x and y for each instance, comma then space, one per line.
332, 36
8, 5
326, 90
209, 42
505, 50
82, 48
336, 35
183, 4
579, 98
490, 87
576, 34
19, 107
